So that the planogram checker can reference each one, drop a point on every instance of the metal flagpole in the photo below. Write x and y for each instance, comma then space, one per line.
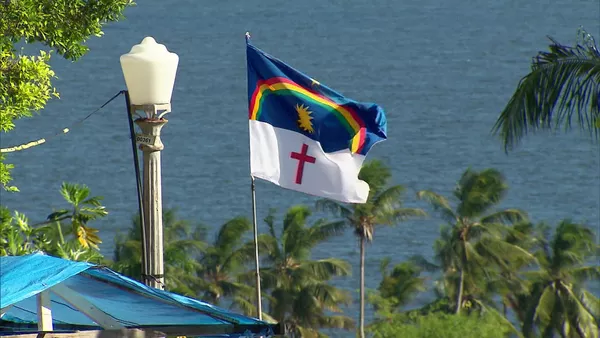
256, 258
255, 226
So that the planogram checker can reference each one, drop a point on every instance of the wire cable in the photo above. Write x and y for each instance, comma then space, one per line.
63, 131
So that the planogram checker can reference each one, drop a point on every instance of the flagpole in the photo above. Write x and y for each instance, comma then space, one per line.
256, 257
255, 226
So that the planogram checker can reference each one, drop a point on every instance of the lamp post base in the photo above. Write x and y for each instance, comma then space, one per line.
151, 145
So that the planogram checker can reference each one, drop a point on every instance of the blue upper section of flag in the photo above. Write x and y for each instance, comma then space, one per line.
280, 107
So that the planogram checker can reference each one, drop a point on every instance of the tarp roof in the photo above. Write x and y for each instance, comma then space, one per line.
121, 301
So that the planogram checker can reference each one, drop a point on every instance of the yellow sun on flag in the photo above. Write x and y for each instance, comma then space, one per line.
304, 118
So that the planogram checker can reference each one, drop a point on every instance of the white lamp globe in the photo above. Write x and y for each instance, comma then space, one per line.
149, 70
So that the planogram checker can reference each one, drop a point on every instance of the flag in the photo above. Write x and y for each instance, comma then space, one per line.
305, 136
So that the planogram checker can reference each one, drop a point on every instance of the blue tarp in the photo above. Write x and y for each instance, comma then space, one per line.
131, 303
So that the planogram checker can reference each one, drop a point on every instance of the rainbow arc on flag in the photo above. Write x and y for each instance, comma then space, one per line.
282, 96
284, 86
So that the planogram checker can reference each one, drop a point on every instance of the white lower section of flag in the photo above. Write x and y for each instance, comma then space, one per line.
294, 161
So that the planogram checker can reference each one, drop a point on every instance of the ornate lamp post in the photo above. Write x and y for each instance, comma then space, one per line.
149, 70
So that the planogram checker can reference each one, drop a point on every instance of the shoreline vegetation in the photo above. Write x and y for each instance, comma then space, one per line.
494, 273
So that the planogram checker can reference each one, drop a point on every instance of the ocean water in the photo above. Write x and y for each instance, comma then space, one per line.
442, 70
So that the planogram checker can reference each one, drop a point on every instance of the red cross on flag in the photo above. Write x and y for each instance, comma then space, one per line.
306, 137
294, 161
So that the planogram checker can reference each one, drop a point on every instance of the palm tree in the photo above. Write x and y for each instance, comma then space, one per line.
183, 245
299, 294
66, 233
383, 207
511, 286
558, 301
83, 209
17, 237
564, 84
472, 245
223, 261
397, 287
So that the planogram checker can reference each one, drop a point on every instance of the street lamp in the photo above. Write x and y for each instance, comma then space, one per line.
149, 70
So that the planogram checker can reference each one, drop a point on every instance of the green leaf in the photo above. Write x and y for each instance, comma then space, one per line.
439, 203
57, 214
26, 84
563, 85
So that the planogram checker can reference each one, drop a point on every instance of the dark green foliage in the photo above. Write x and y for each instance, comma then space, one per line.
63, 25
182, 243
441, 325
563, 85
491, 264
397, 287
222, 263
298, 290
60, 25
66, 233
557, 301
472, 250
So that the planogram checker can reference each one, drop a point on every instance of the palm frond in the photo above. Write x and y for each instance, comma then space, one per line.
402, 284
563, 84
267, 247
477, 192
336, 208
231, 233
403, 214
386, 207
585, 273
522, 234
269, 278
376, 174
508, 256
321, 231
577, 314
339, 322
87, 237
388, 198
186, 245
572, 244
322, 269
69, 192
479, 231
230, 288
299, 331
423, 263
270, 221
295, 217
472, 258
295, 239
384, 264
297, 245
590, 302
248, 307
93, 212
536, 276
448, 249
507, 216
499, 317
439, 204
545, 305
327, 297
